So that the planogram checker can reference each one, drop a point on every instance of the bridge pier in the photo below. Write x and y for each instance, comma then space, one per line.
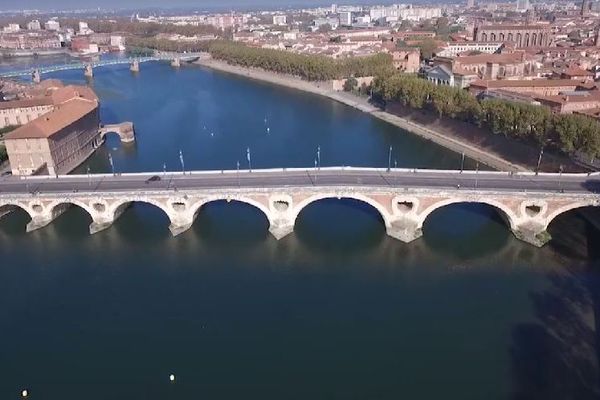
36, 76
42, 216
88, 71
405, 230
134, 66
281, 228
533, 234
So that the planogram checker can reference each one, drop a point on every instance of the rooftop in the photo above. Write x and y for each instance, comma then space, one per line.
53, 122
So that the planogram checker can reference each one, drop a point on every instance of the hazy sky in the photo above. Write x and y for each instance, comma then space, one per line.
71, 4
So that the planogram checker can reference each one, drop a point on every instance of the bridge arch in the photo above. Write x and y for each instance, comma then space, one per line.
118, 208
57, 207
385, 215
573, 206
197, 207
6, 207
509, 216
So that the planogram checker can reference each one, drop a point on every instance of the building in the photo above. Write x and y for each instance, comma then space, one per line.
279, 20
84, 29
490, 66
345, 18
52, 25
30, 40
536, 87
406, 60
470, 3
453, 49
34, 25
518, 35
523, 5
571, 101
11, 28
59, 140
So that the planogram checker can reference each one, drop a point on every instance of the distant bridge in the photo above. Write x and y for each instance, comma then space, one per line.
175, 58
403, 197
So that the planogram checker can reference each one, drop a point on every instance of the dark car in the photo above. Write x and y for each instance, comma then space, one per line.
154, 178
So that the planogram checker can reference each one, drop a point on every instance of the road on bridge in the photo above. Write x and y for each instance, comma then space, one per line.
329, 177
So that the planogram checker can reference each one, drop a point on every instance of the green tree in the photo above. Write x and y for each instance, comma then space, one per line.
351, 84
428, 47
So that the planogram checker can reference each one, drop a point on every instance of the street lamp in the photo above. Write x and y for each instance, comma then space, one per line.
389, 159
112, 164
181, 160
164, 169
462, 162
249, 158
89, 176
319, 156
560, 171
238, 172
476, 174
315, 170
539, 162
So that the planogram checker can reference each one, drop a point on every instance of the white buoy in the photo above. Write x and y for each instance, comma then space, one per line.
172, 378
268, 130
24, 393
212, 134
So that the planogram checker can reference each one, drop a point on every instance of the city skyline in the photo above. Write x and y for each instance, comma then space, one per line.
202, 4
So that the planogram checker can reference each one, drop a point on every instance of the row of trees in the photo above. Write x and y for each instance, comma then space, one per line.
143, 29
309, 67
142, 45
569, 133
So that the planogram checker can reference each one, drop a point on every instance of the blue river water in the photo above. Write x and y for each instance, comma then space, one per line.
336, 310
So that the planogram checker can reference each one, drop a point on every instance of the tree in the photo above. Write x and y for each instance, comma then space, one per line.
442, 27
325, 28
351, 84
428, 48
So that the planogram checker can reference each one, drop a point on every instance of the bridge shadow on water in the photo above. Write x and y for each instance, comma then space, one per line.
558, 355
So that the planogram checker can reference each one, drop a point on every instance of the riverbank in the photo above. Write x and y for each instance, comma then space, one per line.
470, 150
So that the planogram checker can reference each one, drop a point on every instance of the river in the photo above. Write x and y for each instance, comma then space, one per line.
337, 310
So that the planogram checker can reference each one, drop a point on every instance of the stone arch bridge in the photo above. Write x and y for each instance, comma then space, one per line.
403, 198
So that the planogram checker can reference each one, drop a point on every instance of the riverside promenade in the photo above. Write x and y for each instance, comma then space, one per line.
482, 155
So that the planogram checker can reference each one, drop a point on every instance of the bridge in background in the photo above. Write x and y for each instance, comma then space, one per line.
403, 197
87, 67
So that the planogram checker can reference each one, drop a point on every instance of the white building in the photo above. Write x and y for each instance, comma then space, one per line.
117, 42
34, 25
84, 29
454, 49
52, 25
11, 28
523, 5
279, 20
345, 18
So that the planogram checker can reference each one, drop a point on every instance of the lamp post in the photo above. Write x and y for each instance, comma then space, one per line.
238, 173
476, 174
560, 171
249, 158
319, 157
89, 176
389, 159
165, 169
315, 170
112, 164
539, 162
462, 162
182, 162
